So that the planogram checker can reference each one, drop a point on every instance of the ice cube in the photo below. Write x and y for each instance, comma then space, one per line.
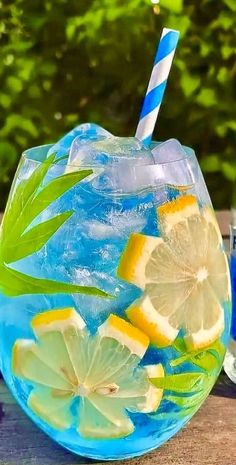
108, 150
117, 224
168, 151
83, 133
113, 160
174, 164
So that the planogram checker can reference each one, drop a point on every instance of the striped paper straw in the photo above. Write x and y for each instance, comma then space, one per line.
157, 84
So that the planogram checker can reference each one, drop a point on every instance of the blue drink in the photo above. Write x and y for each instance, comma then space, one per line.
113, 321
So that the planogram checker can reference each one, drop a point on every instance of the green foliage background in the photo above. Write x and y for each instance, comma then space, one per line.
66, 62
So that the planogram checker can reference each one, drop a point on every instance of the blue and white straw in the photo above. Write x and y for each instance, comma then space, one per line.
157, 84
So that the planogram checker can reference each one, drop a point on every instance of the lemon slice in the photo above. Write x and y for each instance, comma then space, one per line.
184, 276
154, 395
210, 217
100, 372
52, 406
94, 424
144, 315
135, 257
177, 210
126, 334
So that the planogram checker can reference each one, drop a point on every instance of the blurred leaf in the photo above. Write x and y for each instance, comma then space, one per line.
222, 75
231, 4
180, 23
189, 83
19, 122
8, 152
206, 98
211, 164
227, 51
175, 6
5, 100
14, 84
229, 171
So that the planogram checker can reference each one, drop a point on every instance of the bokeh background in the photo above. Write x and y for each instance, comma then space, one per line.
67, 62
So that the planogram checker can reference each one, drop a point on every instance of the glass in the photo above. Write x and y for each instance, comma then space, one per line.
230, 357
114, 307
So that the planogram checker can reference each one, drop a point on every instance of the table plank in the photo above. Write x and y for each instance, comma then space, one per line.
209, 438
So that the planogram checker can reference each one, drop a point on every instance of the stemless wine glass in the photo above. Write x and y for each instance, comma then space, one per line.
114, 307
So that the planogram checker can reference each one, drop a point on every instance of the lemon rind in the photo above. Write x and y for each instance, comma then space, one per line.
177, 210
135, 258
154, 394
56, 320
205, 337
143, 315
209, 215
126, 334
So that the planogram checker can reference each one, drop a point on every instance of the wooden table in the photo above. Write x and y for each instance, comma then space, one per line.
209, 438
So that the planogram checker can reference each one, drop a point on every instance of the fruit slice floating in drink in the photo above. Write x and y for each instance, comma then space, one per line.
184, 276
100, 374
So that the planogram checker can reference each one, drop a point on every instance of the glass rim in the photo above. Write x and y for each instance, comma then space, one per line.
27, 156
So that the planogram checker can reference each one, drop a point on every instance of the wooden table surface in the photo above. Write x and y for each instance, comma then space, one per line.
208, 439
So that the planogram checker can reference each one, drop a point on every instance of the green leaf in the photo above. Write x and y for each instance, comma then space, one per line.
189, 83
211, 359
187, 402
21, 196
227, 51
175, 6
13, 283
53, 191
231, 4
229, 171
34, 239
17, 241
14, 84
207, 98
211, 164
18, 122
183, 382
179, 345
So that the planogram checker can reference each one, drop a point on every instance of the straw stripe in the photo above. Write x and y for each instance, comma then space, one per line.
167, 44
159, 71
157, 85
153, 99
145, 123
